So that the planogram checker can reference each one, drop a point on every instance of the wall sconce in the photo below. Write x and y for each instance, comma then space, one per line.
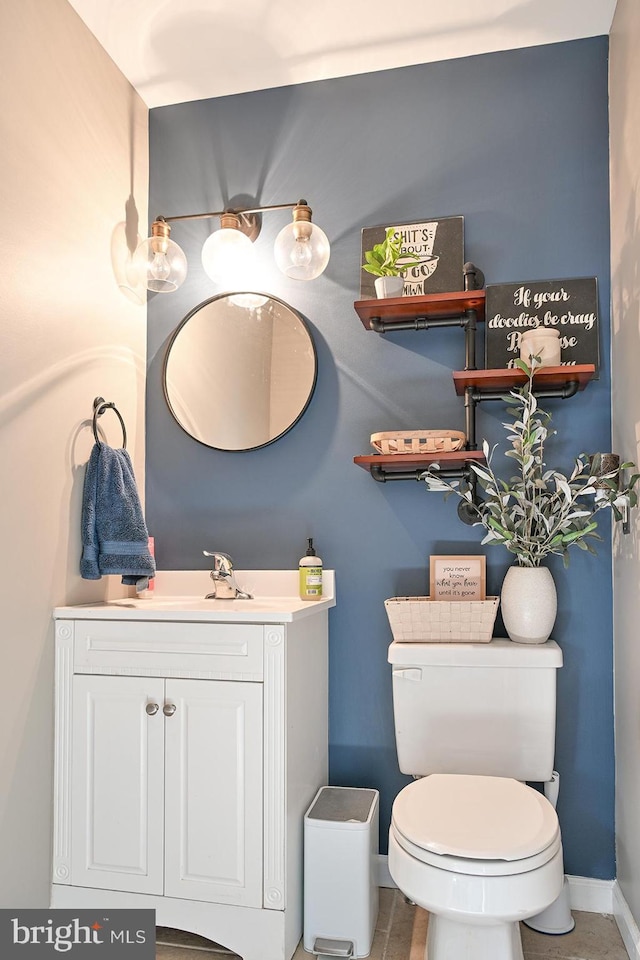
606, 467
301, 248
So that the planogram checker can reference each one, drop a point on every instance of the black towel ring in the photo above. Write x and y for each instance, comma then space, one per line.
99, 407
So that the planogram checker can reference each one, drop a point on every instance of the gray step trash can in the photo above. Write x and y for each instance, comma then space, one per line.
340, 872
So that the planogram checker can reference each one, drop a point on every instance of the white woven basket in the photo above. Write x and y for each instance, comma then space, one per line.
418, 441
423, 620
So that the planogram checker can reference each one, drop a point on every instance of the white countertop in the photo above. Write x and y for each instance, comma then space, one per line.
180, 595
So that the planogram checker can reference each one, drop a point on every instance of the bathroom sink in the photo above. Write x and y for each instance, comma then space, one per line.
195, 604
164, 603
180, 595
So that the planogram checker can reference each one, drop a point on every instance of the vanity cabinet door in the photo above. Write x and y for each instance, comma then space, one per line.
213, 791
117, 784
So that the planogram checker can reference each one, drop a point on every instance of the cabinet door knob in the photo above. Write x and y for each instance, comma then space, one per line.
152, 708
169, 709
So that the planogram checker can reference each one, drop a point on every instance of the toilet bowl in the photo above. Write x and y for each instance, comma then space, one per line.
480, 854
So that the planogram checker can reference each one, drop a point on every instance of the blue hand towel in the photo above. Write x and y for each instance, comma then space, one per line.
114, 533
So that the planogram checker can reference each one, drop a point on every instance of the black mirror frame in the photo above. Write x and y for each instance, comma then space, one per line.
182, 324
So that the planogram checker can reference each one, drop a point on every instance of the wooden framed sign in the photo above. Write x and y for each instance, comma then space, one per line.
438, 245
569, 306
458, 578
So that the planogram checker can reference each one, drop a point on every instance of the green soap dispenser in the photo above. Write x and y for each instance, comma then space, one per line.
310, 578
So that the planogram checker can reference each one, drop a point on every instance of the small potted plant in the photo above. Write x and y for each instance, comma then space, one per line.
387, 262
538, 511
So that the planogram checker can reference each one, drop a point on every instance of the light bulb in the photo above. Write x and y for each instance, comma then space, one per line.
160, 261
159, 268
228, 256
302, 249
301, 254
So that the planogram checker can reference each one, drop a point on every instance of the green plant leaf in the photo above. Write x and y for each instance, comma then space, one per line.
575, 534
387, 259
522, 366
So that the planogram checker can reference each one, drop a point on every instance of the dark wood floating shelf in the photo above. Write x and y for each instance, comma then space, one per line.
399, 462
432, 305
545, 378
462, 308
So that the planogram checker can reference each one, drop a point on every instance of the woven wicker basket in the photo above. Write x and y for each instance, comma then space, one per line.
418, 441
423, 620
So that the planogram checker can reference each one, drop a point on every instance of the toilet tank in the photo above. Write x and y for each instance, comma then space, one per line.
476, 708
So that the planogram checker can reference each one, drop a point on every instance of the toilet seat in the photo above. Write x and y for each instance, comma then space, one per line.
477, 868
475, 825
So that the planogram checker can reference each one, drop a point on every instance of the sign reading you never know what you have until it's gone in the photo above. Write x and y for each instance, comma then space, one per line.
457, 578
569, 306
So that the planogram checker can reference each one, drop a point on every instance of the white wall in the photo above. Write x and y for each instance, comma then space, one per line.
74, 157
625, 268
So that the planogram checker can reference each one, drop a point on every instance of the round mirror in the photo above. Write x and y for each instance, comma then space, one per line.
240, 371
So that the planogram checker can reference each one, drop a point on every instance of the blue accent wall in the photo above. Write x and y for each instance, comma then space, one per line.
517, 143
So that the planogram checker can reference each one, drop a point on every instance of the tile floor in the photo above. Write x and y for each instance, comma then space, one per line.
401, 932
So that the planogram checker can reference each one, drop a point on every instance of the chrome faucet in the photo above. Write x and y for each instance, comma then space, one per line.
224, 578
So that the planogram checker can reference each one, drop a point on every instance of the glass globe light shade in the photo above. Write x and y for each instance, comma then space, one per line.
227, 257
159, 261
302, 250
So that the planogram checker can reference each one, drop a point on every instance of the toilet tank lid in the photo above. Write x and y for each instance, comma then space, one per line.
496, 653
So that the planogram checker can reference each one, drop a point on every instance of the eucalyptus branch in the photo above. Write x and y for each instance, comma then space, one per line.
538, 511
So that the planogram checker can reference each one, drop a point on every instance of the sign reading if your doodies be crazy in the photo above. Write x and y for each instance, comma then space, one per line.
569, 306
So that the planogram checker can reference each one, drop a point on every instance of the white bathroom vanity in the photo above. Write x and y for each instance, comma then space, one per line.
191, 736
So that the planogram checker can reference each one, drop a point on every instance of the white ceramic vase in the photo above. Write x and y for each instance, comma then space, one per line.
529, 604
387, 287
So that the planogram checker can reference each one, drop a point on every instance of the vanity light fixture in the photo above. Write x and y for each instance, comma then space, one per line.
301, 248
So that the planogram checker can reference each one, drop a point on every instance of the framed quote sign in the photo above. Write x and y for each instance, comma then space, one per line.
457, 578
437, 245
569, 306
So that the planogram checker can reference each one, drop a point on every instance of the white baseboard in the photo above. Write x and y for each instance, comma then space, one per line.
593, 896
626, 924
382, 872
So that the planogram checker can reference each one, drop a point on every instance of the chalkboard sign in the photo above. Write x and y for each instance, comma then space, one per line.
569, 306
438, 245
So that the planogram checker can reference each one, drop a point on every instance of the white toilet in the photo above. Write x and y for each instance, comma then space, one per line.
469, 841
